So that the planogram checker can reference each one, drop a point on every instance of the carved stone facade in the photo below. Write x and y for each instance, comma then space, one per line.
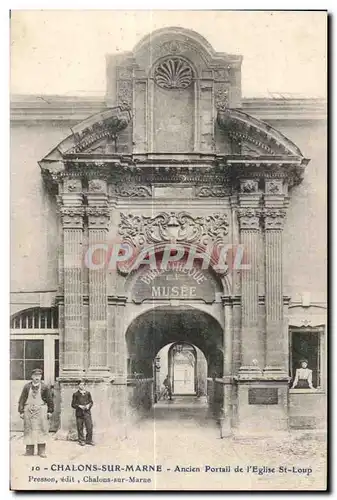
229, 188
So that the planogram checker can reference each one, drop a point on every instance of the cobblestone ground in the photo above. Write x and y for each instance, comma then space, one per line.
172, 444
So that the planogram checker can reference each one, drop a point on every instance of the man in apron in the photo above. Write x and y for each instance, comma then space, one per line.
35, 407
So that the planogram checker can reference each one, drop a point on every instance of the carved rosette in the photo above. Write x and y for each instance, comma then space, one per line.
72, 185
72, 217
98, 217
274, 186
249, 186
249, 218
274, 219
173, 227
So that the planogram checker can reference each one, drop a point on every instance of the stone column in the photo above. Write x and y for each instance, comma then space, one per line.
72, 213
249, 218
118, 407
226, 414
274, 216
98, 219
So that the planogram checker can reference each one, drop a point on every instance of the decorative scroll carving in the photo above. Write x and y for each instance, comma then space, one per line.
274, 218
178, 227
212, 191
249, 186
127, 191
72, 216
249, 218
221, 99
174, 73
124, 97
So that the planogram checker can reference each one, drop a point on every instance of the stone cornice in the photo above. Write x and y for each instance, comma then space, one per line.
73, 109
196, 168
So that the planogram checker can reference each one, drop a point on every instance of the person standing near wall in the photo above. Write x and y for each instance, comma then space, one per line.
36, 407
82, 403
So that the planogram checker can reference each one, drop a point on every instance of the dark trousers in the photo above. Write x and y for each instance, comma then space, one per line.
86, 421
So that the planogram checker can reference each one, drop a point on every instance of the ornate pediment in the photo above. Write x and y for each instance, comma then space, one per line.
94, 133
255, 137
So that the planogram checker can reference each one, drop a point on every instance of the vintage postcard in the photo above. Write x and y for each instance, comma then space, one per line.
168, 325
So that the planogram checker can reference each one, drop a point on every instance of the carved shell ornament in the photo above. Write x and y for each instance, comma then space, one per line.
174, 73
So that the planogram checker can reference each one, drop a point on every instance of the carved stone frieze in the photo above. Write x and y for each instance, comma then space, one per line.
274, 218
212, 191
72, 216
173, 73
131, 191
173, 227
249, 218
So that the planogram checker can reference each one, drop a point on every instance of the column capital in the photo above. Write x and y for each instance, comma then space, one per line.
249, 218
72, 216
98, 216
274, 218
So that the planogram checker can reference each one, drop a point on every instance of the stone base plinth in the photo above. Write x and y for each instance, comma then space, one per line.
262, 406
108, 412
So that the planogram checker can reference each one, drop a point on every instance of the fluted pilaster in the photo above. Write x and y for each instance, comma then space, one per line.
72, 213
250, 344
98, 220
249, 219
275, 355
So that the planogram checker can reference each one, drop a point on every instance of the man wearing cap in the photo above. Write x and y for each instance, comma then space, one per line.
303, 377
36, 407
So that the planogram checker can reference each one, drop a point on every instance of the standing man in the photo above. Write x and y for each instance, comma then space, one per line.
36, 407
167, 385
82, 403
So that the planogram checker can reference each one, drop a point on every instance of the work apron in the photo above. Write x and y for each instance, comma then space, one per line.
35, 419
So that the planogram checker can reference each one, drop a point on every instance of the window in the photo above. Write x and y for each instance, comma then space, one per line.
38, 318
26, 355
305, 343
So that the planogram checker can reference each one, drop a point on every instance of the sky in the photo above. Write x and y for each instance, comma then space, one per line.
63, 51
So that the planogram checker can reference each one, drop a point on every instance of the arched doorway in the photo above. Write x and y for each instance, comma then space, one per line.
185, 334
183, 368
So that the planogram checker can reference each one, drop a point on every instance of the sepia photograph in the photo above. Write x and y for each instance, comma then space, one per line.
168, 275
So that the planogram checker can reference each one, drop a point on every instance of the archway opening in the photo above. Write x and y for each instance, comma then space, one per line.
184, 344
